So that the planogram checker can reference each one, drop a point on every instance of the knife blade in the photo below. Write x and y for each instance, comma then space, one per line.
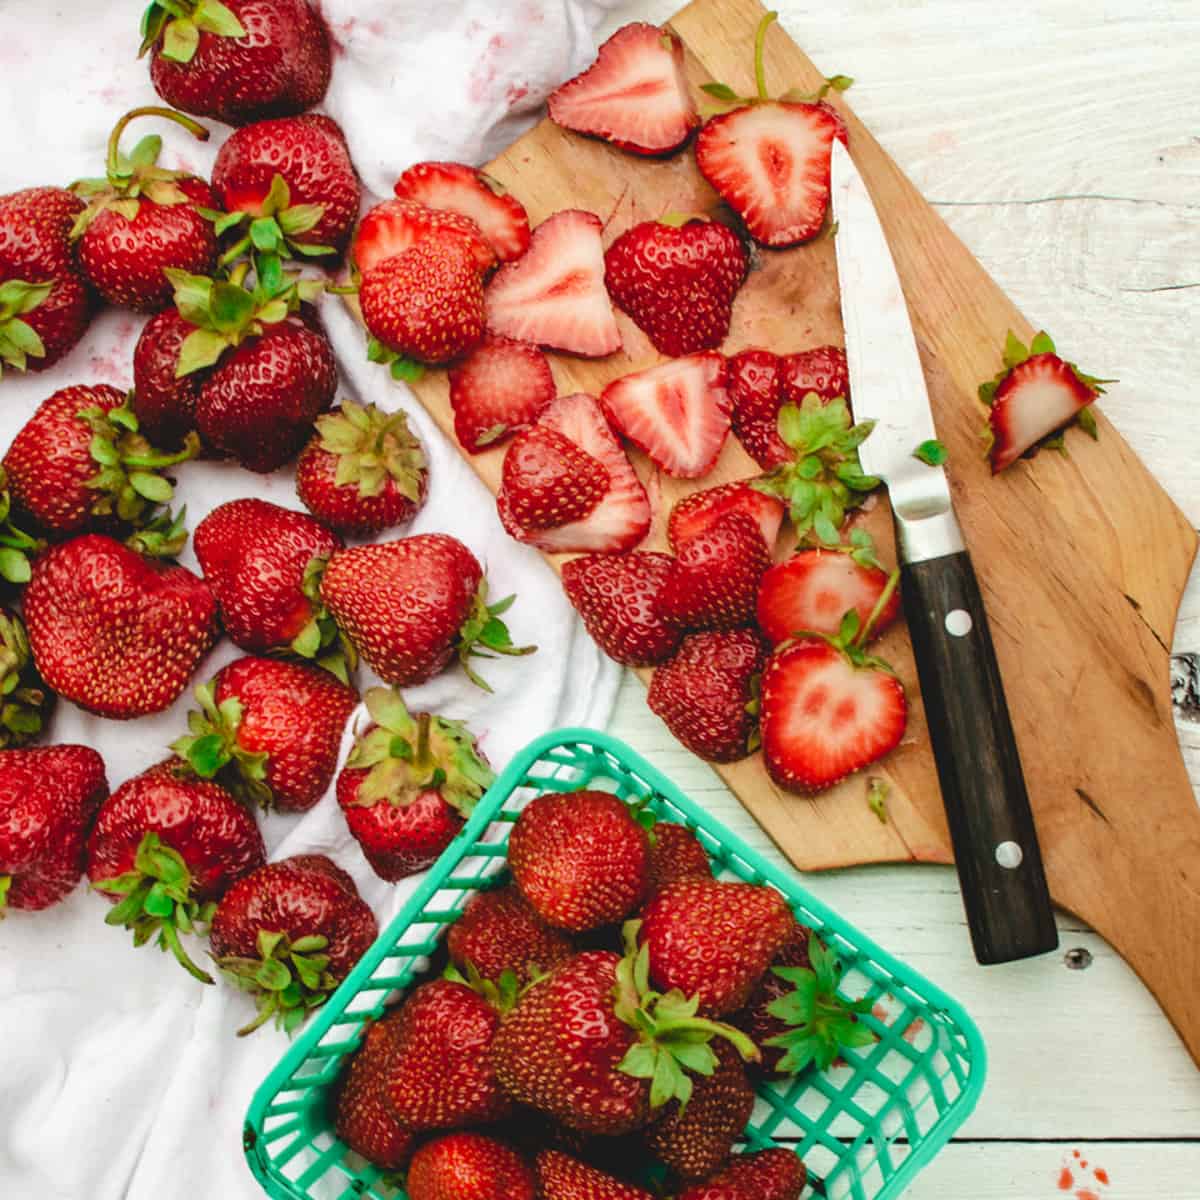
992, 829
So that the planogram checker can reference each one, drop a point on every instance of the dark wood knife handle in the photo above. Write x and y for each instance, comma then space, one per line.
991, 823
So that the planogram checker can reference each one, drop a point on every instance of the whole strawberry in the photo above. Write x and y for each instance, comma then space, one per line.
289, 933
411, 606
498, 931
561, 1177
468, 1166
238, 61
774, 1174
141, 219
714, 940
269, 731
408, 785
677, 280
48, 797
116, 633
45, 303
164, 402
364, 471
260, 560
165, 847
25, 702
80, 463
294, 184
440, 1075
675, 853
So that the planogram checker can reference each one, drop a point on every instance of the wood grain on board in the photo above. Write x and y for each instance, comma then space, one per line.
1082, 559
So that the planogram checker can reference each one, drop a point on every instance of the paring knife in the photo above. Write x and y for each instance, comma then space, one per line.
991, 824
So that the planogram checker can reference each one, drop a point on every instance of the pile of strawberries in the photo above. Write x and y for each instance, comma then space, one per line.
604, 1012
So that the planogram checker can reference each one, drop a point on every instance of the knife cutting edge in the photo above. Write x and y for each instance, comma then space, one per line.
991, 823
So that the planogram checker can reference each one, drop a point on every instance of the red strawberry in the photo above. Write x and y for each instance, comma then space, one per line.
553, 295
579, 858
427, 303
408, 785
774, 1174
27, 704
706, 693
395, 226
497, 390
677, 282
561, 1177
499, 931
813, 590
822, 370
700, 511
678, 412
440, 1075
634, 95
675, 853
45, 304
1036, 395
455, 187
245, 61
714, 939
80, 463
165, 847
622, 518
828, 709
270, 731
364, 471
468, 1166
617, 595
362, 1116
113, 632
164, 402
714, 580
141, 219
288, 933
548, 482
259, 560
48, 797
410, 606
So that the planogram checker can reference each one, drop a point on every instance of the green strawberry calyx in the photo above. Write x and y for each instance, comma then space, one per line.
155, 898
134, 176
289, 977
484, 635
275, 229
854, 633
16, 546
405, 756
673, 1042
321, 640
180, 22
825, 478
824, 1022
164, 537
502, 993
19, 341
403, 370
24, 698
373, 447
211, 748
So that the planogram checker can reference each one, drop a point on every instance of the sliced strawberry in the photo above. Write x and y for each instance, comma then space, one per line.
553, 295
616, 595
824, 716
498, 390
814, 589
455, 187
714, 581
755, 382
634, 95
695, 513
548, 481
678, 412
394, 226
822, 370
770, 163
622, 518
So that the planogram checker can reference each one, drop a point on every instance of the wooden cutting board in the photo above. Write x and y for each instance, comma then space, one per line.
1082, 558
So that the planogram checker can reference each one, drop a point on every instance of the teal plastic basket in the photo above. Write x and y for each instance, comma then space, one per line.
864, 1128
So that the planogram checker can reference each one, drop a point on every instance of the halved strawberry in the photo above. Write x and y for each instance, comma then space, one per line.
622, 518
498, 390
553, 295
822, 370
455, 187
548, 481
1036, 395
697, 512
394, 226
678, 412
634, 95
755, 383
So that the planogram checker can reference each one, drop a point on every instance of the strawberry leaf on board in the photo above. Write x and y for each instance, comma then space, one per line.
932, 453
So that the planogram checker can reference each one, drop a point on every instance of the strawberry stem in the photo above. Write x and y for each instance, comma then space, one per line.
421, 756
760, 37
880, 604
152, 110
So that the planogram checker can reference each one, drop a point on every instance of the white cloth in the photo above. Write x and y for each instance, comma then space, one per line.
119, 1075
